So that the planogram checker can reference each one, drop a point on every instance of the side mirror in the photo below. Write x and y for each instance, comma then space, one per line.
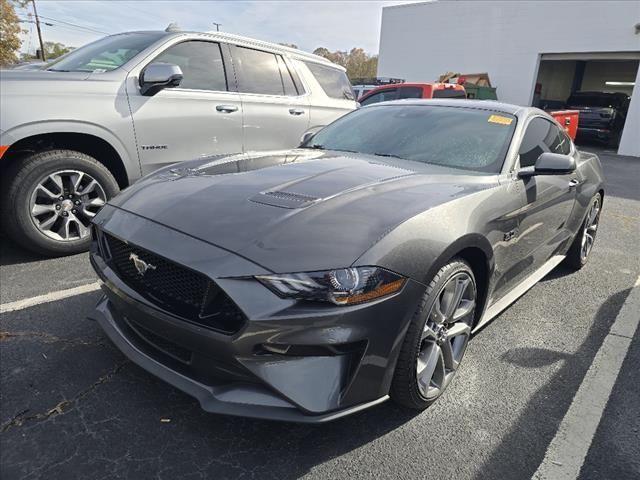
158, 76
308, 135
550, 164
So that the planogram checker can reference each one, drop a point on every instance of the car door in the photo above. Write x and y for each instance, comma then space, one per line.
200, 117
275, 112
548, 199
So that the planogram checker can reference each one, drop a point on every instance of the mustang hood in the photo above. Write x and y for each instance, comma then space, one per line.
295, 210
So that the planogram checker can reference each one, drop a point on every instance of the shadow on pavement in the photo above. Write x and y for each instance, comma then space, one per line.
12, 254
551, 401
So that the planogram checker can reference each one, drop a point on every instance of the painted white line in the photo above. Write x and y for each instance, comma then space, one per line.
568, 449
48, 297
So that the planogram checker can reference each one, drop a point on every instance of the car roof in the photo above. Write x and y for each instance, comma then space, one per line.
230, 37
477, 104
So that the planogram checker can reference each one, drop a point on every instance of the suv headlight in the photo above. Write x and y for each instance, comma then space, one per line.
344, 286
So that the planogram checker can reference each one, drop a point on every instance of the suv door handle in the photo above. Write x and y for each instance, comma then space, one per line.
296, 111
574, 182
226, 108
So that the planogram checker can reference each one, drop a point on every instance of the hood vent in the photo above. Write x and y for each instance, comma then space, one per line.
284, 199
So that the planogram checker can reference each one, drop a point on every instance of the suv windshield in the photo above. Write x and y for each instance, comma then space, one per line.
106, 54
464, 138
594, 100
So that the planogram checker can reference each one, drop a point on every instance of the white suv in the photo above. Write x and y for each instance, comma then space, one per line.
76, 132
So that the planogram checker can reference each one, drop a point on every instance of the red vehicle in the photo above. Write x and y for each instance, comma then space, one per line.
398, 91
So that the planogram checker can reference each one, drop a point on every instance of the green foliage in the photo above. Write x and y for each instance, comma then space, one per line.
55, 49
9, 33
358, 63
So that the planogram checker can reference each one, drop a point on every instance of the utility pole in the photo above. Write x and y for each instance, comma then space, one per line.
35, 12
218, 25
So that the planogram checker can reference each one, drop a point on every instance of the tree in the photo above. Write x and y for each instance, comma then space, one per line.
358, 63
9, 33
55, 49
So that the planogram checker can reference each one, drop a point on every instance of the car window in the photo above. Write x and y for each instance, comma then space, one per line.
458, 137
287, 79
381, 96
410, 92
201, 64
334, 82
542, 136
106, 54
258, 72
449, 93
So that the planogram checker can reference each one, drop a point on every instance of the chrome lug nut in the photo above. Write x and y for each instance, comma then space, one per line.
77, 202
61, 198
58, 207
64, 214
74, 211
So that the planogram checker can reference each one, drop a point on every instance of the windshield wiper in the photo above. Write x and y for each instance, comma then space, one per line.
378, 154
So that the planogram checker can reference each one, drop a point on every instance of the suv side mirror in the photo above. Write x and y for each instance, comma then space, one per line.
550, 164
158, 76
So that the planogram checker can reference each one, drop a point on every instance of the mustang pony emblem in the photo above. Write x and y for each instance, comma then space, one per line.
141, 265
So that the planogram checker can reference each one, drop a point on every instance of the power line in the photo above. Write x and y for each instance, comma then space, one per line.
75, 25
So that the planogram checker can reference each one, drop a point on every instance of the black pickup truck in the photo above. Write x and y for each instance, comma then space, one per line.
602, 115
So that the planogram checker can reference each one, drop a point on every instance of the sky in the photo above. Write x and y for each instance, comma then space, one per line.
336, 25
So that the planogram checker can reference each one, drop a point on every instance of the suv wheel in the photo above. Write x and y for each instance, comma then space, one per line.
50, 198
437, 337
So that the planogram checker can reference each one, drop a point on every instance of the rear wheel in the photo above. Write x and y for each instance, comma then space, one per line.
50, 198
437, 337
579, 251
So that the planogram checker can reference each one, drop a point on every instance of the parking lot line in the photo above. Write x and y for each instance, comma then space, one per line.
48, 297
568, 449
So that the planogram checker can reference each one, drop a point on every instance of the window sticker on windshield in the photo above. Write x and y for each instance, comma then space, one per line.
500, 120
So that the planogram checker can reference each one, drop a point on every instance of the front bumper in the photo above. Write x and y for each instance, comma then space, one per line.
593, 132
341, 361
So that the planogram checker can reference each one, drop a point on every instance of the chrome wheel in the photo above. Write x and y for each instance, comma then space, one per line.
63, 204
445, 335
590, 228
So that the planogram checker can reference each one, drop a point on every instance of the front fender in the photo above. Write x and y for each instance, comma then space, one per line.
129, 158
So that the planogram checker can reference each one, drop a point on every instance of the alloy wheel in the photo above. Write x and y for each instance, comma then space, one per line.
445, 335
590, 229
63, 204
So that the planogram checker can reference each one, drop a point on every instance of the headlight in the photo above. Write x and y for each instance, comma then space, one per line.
345, 286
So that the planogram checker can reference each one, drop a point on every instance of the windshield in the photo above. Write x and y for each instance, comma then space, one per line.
462, 138
106, 54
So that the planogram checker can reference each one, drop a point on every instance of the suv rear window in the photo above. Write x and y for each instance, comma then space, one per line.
449, 93
334, 82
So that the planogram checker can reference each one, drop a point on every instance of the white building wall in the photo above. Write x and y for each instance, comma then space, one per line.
630, 141
419, 42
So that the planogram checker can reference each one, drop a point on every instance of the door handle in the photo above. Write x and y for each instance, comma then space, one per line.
574, 182
226, 108
296, 111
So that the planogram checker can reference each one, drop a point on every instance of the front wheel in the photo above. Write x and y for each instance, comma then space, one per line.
50, 198
436, 338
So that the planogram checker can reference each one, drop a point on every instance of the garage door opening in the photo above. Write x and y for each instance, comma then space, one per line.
600, 86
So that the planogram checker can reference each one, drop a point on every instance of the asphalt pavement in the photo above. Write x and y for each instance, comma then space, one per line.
72, 406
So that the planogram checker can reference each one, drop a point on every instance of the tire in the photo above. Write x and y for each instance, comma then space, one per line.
409, 387
577, 257
23, 187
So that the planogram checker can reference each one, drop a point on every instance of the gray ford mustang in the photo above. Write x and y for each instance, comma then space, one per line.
308, 284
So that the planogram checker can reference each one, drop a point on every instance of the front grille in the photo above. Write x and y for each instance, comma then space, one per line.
179, 290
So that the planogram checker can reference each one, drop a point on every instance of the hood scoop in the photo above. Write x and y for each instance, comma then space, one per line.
284, 199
